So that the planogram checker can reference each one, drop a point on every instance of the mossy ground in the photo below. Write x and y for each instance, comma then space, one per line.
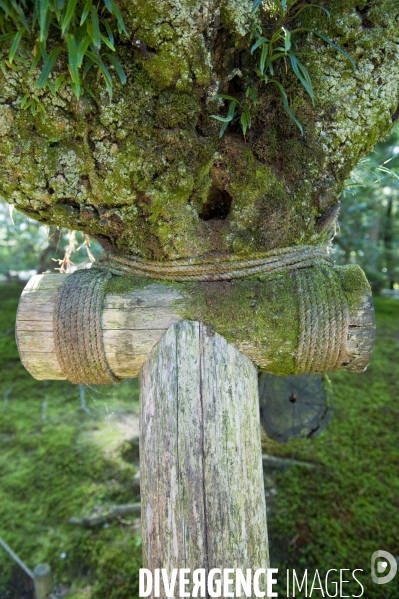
56, 462
335, 516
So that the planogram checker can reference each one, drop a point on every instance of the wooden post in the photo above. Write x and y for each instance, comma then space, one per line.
43, 581
202, 493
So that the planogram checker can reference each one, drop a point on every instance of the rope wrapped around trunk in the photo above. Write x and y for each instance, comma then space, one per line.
217, 268
323, 324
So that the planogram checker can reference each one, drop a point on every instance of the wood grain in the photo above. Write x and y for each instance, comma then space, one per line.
202, 495
134, 322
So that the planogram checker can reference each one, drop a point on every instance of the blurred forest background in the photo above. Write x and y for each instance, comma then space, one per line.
71, 451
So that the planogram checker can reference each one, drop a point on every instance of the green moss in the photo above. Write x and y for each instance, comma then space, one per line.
52, 469
258, 315
335, 516
174, 110
354, 283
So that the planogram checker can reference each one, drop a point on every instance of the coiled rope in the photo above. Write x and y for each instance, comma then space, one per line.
323, 310
77, 329
323, 321
219, 268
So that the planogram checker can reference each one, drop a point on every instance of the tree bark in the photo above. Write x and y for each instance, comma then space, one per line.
202, 494
147, 174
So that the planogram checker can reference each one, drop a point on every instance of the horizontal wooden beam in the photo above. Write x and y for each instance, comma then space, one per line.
134, 321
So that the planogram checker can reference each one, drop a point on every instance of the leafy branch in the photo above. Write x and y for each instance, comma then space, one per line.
86, 29
280, 47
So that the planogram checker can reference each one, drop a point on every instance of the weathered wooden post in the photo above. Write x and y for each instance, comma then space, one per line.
203, 503
43, 581
196, 345
41, 576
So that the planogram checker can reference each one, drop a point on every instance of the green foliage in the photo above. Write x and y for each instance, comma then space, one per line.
76, 32
56, 462
245, 118
27, 246
369, 227
280, 46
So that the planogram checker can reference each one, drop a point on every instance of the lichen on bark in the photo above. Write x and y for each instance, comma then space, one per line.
147, 174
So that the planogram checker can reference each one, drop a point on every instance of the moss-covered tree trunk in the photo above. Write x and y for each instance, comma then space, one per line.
147, 174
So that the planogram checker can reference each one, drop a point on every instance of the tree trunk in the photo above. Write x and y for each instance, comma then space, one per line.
202, 494
147, 173
388, 244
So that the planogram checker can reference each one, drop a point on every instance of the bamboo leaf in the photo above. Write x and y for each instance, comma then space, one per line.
87, 68
263, 58
259, 42
86, 10
107, 42
48, 65
24, 100
5, 7
96, 27
286, 105
245, 120
118, 67
82, 48
21, 15
73, 60
107, 77
28, 105
69, 13
326, 39
304, 80
244, 123
232, 108
15, 45
7, 36
223, 129
287, 42
59, 82
44, 7
110, 33
90, 92
121, 23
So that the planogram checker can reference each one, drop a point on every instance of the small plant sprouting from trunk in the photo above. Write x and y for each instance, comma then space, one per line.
280, 45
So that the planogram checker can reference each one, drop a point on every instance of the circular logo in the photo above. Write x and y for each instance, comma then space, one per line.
382, 567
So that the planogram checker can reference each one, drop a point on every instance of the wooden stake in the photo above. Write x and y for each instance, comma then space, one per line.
43, 581
202, 493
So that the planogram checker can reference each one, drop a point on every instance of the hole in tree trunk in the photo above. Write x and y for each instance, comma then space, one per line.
217, 206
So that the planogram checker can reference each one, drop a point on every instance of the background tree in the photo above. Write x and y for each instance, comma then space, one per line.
368, 232
27, 247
